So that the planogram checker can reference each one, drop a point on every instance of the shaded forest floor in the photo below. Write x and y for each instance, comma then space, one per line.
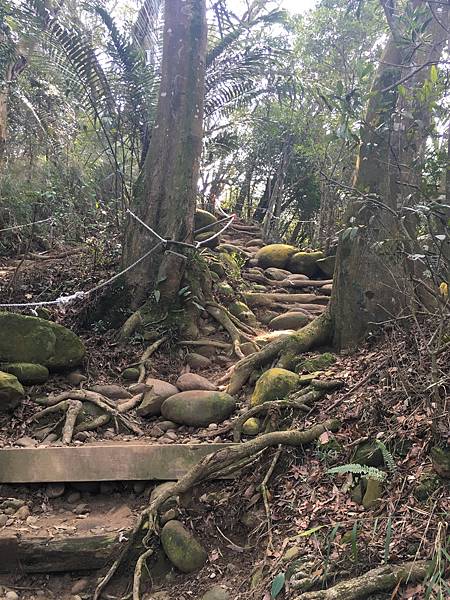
313, 519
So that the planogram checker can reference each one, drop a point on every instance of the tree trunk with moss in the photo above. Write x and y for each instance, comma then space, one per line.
165, 193
372, 280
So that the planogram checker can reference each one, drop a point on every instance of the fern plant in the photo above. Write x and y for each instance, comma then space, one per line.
355, 469
387, 456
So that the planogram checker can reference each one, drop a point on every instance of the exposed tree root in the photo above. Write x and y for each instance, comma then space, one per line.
381, 579
210, 465
236, 335
146, 355
309, 308
129, 327
266, 299
212, 343
301, 403
72, 408
285, 349
96, 423
131, 403
71, 402
265, 495
286, 283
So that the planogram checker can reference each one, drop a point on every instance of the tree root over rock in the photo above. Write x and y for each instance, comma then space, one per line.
71, 402
286, 349
381, 579
236, 333
205, 469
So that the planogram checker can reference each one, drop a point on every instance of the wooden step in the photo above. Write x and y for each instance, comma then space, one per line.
49, 555
112, 461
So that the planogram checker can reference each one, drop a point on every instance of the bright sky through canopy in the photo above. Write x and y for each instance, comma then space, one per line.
296, 6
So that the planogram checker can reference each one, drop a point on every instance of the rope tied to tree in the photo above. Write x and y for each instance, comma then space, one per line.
65, 300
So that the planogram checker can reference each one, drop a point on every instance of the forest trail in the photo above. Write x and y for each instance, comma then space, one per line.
79, 503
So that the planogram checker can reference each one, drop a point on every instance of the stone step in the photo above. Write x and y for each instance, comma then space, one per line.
112, 461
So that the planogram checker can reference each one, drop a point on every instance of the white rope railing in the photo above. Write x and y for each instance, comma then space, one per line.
79, 294
63, 300
26, 225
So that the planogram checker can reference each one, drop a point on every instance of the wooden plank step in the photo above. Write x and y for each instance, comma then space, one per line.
112, 461
49, 555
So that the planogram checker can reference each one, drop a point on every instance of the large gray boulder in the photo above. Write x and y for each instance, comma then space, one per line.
198, 408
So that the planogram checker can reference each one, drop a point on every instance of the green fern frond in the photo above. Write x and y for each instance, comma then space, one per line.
369, 472
387, 456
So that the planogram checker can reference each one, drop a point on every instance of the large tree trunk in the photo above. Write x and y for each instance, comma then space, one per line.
372, 282
165, 194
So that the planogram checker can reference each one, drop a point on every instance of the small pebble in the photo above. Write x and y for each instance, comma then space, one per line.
166, 425
79, 586
3, 520
55, 490
107, 488
11, 595
139, 487
23, 513
156, 432
81, 509
165, 440
75, 378
213, 426
73, 497
171, 435
25, 442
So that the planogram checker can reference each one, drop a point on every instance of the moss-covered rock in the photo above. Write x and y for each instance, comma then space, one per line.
275, 255
243, 312
225, 290
304, 262
181, 547
198, 408
26, 373
368, 454
131, 374
202, 218
204, 236
318, 363
251, 426
274, 384
441, 461
326, 266
216, 593
426, 486
34, 340
11, 392
373, 492
290, 320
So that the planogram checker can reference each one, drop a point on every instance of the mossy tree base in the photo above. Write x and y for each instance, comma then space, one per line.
284, 350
